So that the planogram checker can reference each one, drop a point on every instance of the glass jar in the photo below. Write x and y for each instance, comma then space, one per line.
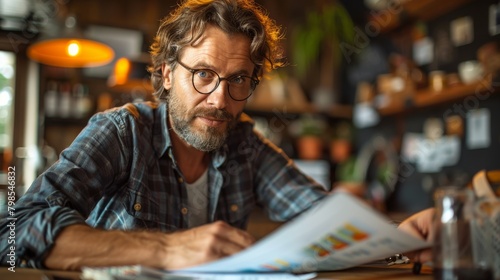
453, 251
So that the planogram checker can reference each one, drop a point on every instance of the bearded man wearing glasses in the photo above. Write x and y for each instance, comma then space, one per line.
171, 184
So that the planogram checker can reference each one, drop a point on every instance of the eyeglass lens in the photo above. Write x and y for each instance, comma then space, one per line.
206, 81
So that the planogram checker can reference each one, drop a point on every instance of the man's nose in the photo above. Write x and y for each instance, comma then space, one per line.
220, 96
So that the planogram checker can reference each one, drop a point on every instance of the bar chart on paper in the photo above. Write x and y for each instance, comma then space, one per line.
340, 232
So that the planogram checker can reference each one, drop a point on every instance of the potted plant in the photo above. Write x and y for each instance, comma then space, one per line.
316, 46
309, 131
341, 142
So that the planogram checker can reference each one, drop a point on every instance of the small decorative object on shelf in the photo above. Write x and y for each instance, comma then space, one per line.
437, 80
64, 100
83, 103
470, 71
51, 99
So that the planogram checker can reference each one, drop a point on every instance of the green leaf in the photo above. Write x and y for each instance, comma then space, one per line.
331, 26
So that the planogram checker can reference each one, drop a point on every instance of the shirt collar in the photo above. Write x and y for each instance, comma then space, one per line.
161, 137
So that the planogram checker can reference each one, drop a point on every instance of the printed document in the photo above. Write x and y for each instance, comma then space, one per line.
340, 232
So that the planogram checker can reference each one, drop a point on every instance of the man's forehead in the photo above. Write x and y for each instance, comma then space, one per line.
215, 44
211, 31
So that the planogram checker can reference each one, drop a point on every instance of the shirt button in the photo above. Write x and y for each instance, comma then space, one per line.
234, 208
184, 211
180, 180
137, 207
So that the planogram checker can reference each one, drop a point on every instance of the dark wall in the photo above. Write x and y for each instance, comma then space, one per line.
411, 194
479, 11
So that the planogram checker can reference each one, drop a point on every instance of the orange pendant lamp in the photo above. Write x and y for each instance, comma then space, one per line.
65, 46
130, 74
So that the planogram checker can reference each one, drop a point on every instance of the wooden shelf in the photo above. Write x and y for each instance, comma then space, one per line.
428, 98
340, 111
411, 10
70, 121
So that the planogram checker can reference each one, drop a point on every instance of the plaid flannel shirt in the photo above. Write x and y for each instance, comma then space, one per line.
120, 173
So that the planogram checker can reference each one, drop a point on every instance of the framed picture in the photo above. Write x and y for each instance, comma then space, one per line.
494, 19
125, 43
462, 31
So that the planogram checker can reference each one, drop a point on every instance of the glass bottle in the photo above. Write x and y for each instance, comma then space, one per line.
453, 249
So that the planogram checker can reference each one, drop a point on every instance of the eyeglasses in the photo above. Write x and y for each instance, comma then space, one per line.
206, 81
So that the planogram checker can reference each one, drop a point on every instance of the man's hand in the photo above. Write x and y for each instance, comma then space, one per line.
80, 245
421, 226
203, 244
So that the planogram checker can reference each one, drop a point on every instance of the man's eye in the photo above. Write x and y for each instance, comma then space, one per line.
204, 74
238, 80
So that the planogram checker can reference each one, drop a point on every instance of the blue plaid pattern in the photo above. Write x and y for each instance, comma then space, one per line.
120, 173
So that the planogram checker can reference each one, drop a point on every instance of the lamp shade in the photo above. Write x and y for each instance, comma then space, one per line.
131, 74
71, 52
66, 47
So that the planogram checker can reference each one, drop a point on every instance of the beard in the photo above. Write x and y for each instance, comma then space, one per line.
204, 138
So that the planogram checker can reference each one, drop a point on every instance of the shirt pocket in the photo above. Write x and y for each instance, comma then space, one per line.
145, 210
57, 198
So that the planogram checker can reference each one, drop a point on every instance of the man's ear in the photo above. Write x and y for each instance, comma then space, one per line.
166, 72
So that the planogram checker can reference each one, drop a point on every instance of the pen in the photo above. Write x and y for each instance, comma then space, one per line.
417, 266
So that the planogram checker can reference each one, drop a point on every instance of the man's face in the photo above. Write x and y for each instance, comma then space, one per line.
204, 120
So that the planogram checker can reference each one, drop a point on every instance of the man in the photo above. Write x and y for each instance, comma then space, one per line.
171, 184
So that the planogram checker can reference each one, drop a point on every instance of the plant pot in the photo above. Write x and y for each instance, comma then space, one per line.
310, 147
340, 150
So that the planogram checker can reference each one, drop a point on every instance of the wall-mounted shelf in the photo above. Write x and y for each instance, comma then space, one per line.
58, 121
410, 10
427, 98
339, 111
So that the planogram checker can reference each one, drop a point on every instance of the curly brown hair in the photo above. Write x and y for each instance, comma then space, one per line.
187, 23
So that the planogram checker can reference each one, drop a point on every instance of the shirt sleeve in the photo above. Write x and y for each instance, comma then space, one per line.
66, 193
282, 189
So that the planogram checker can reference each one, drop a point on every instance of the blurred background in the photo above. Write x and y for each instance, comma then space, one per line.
387, 99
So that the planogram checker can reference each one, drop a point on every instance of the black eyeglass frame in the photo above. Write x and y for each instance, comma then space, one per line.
253, 82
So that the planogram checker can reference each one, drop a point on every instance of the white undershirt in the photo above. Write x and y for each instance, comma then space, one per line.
197, 194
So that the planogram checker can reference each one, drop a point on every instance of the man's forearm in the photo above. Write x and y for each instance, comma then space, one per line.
80, 245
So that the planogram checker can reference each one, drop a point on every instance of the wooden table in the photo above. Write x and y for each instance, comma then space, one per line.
368, 272
378, 272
